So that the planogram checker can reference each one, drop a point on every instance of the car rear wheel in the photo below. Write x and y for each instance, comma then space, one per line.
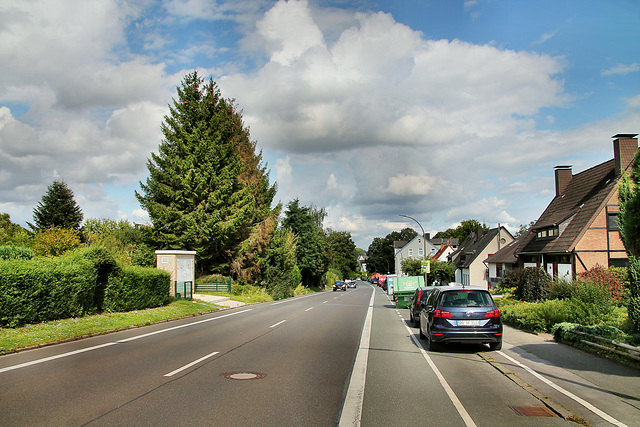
431, 346
495, 346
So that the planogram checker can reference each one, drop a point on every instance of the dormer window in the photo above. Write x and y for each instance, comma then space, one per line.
548, 233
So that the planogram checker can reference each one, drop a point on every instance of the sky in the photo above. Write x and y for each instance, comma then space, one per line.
442, 110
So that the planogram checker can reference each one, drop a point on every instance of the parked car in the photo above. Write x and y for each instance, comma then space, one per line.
339, 285
417, 301
462, 315
351, 284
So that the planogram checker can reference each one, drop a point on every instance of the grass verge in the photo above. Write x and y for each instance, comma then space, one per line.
12, 339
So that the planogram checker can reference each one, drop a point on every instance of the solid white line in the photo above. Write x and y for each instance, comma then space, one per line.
195, 362
58, 356
352, 408
279, 323
452, 396
310, 308
581, 401
72, 353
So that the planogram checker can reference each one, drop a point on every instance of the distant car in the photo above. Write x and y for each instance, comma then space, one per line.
351, 284
459, 314
419, 299
339, 285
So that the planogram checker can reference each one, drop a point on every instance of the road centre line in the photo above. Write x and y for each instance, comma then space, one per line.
279, 323
447, 388
96, 347
352, 407
567, 393
310, 308
187, 366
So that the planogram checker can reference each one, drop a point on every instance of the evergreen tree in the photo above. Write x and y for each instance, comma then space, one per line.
57, 209
629, 216
206, 188
629, 226
312, 248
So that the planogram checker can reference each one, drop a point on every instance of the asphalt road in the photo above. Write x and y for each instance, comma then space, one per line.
333, 358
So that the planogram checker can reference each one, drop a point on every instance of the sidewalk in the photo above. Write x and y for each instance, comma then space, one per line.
217, 300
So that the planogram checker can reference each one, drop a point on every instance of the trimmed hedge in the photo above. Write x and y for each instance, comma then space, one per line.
136, 288
81, 282
15, 252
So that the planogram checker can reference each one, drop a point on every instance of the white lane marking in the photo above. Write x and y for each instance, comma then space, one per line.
58, 356
279, 323
83, 350
293, 299
452, 396
310, 308
324, 302
187, 366
581, 401
352, 408
162, 331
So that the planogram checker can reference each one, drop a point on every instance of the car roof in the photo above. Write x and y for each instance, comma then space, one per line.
461, 288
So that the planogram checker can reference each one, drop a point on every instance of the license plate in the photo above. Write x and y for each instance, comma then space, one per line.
469, 322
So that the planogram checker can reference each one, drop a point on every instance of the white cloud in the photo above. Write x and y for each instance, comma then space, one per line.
621, 69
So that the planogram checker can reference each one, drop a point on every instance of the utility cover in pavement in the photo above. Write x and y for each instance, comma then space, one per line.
243, 375
532, 411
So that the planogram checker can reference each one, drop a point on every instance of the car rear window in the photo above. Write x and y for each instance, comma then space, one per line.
466, 299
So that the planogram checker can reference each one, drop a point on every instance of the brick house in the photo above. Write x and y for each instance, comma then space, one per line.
579, 228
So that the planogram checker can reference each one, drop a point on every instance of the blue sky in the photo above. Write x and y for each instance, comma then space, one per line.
441, 110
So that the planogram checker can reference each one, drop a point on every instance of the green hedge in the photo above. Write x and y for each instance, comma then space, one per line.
136, 288
81, 282
15, 252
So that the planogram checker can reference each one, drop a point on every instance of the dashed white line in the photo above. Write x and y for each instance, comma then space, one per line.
279, 323
187, 366
310, 308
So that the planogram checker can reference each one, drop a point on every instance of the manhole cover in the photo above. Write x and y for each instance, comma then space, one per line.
243, 375
532, 411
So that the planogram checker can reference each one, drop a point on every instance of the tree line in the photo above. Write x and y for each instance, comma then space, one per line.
207, 191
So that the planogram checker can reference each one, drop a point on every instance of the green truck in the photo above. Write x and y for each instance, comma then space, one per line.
403, 289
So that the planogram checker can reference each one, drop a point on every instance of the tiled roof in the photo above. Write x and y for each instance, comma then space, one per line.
442, 249
582, 199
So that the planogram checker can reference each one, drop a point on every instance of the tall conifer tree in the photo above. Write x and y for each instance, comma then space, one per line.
206, 188
57, 209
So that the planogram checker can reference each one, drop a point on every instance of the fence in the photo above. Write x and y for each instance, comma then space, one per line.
220, 285
613, 346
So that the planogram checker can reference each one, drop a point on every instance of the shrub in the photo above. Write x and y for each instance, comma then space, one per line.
55, 242
559, 289
32, 292
16, 252
529, 284
136, 288
605, 278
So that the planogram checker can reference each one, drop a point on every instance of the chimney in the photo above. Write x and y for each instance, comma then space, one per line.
625, 146
427, 236
563, 178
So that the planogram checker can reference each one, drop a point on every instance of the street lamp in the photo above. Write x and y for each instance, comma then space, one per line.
424, 253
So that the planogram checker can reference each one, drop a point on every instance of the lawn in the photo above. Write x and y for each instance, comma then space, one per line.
12, 339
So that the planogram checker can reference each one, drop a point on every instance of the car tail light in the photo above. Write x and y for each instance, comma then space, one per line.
441, 313
419, 294
492, 313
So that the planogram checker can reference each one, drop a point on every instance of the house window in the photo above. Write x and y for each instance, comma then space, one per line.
612, 221
420, 253
410, 252
499, 270
550, 232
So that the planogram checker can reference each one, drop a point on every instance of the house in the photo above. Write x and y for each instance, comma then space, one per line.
470, 256
501, 262
579, 228
444, 252
416, 249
